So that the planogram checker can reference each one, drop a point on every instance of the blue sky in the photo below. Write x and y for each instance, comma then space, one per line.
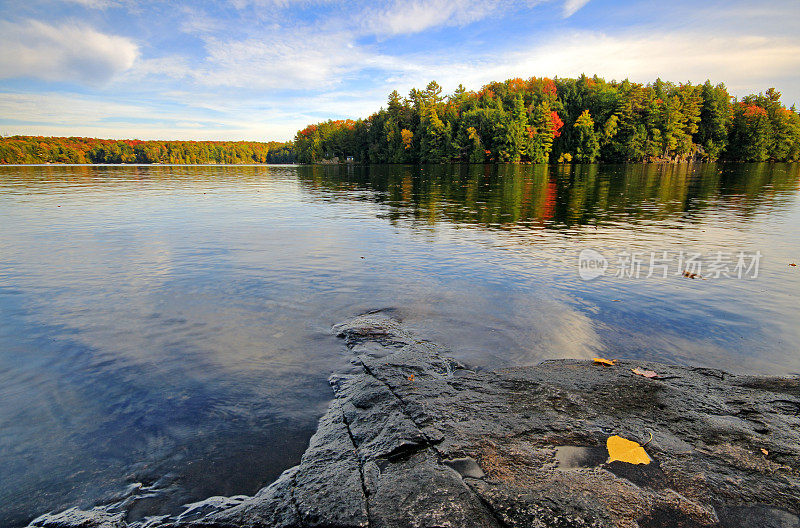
262, 69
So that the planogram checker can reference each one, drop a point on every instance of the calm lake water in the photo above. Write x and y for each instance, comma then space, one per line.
173, 323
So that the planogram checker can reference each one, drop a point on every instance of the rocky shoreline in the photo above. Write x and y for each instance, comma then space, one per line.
415, 439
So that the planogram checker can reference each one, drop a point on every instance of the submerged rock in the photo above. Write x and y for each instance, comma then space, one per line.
415, 439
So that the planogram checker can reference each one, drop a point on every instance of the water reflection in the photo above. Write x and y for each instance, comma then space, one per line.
505, 196
542, 217
175, 320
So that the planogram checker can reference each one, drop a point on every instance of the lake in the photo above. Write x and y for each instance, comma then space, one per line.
170, 325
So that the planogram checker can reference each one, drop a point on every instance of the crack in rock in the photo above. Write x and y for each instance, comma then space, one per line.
360, 468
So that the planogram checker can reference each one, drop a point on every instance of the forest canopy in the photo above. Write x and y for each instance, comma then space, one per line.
36, 149
543, 120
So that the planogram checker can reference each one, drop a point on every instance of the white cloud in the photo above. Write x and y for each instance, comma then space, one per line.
95, 4
56, 108
67, 52
170, 67
572, 6
241, 4
745, 63
54, 114
291, 60
195, 20
414, 16
738, 60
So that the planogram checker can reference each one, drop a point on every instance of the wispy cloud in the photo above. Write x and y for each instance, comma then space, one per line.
157, 69
742, 60
572, 6
52, 107
285, 60
64, 52
407, 17
71, 114
745, 63
241, 4
194, 20
95, 4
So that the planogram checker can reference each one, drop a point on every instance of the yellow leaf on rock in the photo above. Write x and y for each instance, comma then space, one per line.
626, 451
602, 361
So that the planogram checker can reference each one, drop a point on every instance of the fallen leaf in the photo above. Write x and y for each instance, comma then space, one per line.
690, 275
645, 373
764, 451
411, 378
602, 361
616, 300
792, 264
626, 450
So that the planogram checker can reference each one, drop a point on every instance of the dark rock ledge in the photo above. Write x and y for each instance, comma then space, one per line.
414, 439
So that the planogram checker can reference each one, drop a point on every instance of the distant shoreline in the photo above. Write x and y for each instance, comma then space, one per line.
81, 150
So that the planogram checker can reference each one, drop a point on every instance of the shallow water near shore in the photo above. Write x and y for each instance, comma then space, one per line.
172, 323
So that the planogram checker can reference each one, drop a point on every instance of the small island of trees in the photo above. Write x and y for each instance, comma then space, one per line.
543, 120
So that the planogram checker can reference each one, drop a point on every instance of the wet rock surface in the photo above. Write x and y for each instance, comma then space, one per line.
414, 439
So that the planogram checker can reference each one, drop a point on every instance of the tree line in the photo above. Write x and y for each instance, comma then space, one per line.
538, 120
37, 149
543, 120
